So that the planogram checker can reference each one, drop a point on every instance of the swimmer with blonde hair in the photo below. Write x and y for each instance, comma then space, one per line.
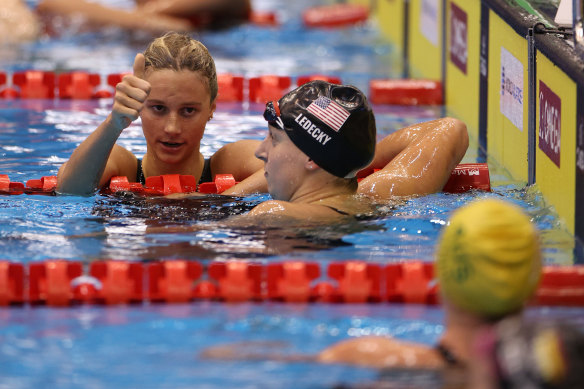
488, 266
173, 89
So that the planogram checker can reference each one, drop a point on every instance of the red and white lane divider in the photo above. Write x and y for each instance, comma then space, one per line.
64, 283
335, 15
463, 178
35, 84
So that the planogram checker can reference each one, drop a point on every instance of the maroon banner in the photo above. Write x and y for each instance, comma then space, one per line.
550, 112
458, 37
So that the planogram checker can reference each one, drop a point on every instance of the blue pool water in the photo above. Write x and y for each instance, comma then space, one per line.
158, 346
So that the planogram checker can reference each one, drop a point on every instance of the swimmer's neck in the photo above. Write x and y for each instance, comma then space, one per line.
461, 329
192, 166
321, 196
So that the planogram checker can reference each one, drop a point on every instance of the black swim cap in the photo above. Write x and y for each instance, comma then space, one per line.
332, 124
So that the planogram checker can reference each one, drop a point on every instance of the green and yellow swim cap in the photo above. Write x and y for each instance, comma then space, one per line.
488, 259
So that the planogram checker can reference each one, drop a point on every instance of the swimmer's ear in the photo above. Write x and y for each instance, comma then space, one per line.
139, 66
213, 108
311, 165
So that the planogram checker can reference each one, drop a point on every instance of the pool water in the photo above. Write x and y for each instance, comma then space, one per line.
158, 346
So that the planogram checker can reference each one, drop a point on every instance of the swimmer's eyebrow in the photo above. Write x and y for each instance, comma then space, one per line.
161, 102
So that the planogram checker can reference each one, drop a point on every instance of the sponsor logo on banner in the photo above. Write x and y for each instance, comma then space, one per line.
511, 102
550, 110
429, 20
458, 37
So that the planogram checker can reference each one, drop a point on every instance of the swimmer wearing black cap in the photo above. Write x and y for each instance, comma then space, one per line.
321, 136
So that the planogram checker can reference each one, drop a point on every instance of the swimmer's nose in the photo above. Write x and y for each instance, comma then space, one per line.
172, 126
260, 152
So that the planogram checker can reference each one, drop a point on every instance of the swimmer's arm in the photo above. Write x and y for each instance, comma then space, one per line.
381, 352
99, 14
367, 351
93, 163
256, 183
416, 160
193, 7
258, 351
96, 160
237, 158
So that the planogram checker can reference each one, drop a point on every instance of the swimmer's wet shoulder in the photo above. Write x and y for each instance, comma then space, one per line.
296, 210
331, 208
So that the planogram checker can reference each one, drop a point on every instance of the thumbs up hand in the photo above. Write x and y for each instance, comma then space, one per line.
131, 93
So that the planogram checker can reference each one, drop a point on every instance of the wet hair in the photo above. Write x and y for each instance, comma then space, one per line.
178, 51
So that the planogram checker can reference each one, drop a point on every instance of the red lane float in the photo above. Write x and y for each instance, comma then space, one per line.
358, 282
3, 93
50, 282
264, 18
11, 283
230, 88
171, 183
35, 84
7, 92
122, 184
267, 88
411, 283
291, 281
464, 177
336, 15
220, 184
78, 85
62, 283
10, 188
155, 185
115, 78
83, 85
237, 280
173, 281
305, 79
121, 282
561, 285
406, 92
45, 186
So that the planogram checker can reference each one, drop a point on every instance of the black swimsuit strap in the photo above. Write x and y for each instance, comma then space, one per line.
140, 173
206, 175
448, 355
338, 210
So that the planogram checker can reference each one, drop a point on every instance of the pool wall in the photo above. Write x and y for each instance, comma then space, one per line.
520, 89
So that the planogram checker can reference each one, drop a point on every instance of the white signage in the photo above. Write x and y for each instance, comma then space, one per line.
429, 20
512, 94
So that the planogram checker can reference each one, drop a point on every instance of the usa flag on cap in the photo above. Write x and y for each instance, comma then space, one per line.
329, 112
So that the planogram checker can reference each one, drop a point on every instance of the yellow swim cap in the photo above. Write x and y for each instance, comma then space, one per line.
488, 260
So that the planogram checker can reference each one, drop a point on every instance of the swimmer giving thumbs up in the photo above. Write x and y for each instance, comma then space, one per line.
98, 158
131, 93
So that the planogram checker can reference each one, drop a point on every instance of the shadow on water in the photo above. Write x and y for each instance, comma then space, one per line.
149, 228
